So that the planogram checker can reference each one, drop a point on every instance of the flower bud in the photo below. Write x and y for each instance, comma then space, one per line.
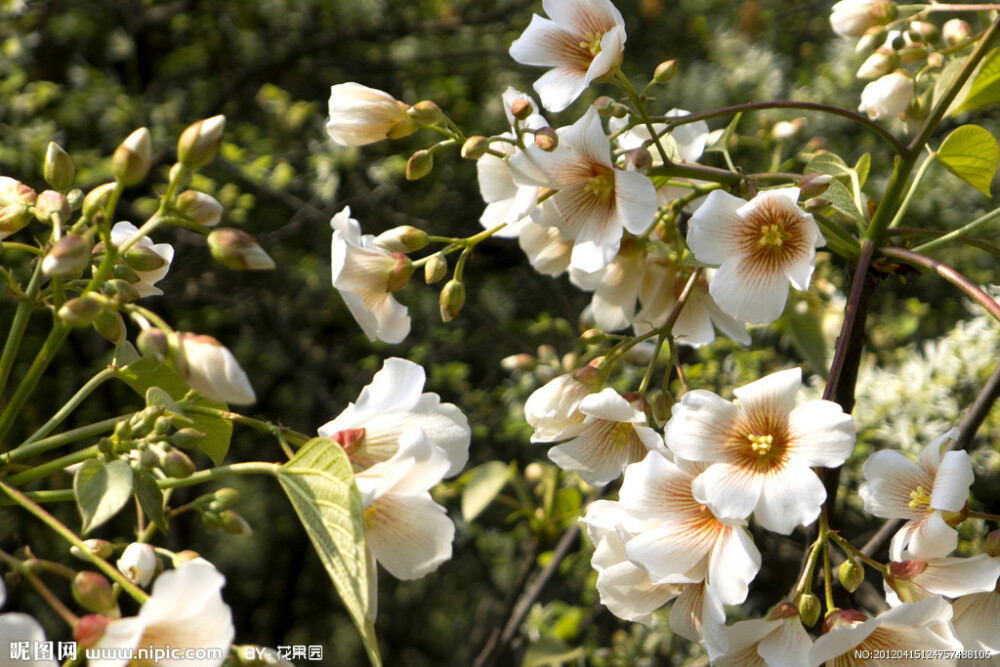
177, 465
235, 249
400, 273
13, 218
809, 607
59, 169
186, 438
143, 258
475, 147
425, 113
208, 367
419, 165
120, 289
534, 472
660, 404
199, 208
109, 323
547, 139
993, 543
67, 258
138, 563
665, 71
96, 200
955, 31
638, 159
99, 548
522, 108
80, 312
786, 130
871, 40
592, 337
851, 574
90, 629
200, 141
926, 31
912, 54
51, 203
878, 64
180, 176
452, 299
935, 60
812, 185
234, 524
152, 344
605, 105
518, 362
133, 158
227, 497
92, 591
851, 18
435, 269
403, 239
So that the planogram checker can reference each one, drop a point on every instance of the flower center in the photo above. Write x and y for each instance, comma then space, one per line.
592, 44
772, 236
621, 434
601, 186
761, 444
919, 497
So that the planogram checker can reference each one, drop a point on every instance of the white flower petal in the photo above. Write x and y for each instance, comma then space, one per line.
410, 535
735, 562
822, 433
924, 539
790, 500
711, 229
952, 482
730, 491
700, 426
757, 298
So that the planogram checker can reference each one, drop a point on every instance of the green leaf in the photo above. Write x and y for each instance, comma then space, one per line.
841, 199
985, 89
550, 652
144, 374
482, 486
101, 490
150, 498
157, 396
828, 163
722, 144
862, 167
125, 354
320, 484
972, 154
944, 80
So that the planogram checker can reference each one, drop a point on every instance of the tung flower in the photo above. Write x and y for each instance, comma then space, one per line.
760, 246
851, 18
208, 367
138, 563
761, 449
888, 96
361, 115
583, 40
555, 407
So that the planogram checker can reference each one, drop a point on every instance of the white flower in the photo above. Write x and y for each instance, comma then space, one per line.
211, 369
548, 252
613, 435
927, 495
185, 611
851, 18
366, 275
888, 95
595, 201
615, 287
761, 449
778, 640
360, 115
977, 621
759, 246
392, 404
554, 407
146, 286
138, 563
923, 625
914, 580
406, 531
583, 41
18, 630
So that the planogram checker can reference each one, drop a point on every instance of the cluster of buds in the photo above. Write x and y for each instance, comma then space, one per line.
216, 512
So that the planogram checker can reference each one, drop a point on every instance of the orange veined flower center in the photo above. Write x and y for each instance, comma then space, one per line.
919, 499
601, 186
761, 444
592, 43
621, 435
772, 236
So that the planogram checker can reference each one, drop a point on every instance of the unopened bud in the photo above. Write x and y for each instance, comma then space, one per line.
180, 176
786, 130
534, 472
13, 218
813, 185
809, 608
878, 64
435, 269
872, 39
133, 158
51, 203
475, 147
234, 524
68, 257
121, 289
956, 31
993, 543
186, 438
123, 273
547, 139
92, 591
404, 239
235, 249
152, 343
59, 169
912, 54
138, 563
518, 362
522, 108
143, 258
199, 208
90, 629
80, 312
419, 165
200, 142
925, 30
851, 574
227, 497
665, 71
400, 273
425, 113
99, 548
96, 201
605, 105
935, 60
884, 12
109, 323
638, 159
177, 465
452, 299
592, 337
660, 404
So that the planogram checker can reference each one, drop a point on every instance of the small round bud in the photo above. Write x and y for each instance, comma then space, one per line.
68, 257
186, 438
518, 362
75, 199
13, 218
912, 54
809, 608
400, 273
404, 239
138, 563
133, 158
425, 113
665, 71
199, 208
227, 497
435, 269
851, 574
99, 548
786, 130
143, 258
152, 343
660, 404
522, 108
935, 60
638, 159
235, 249
872, 39
59, 169
92, 591
200, 141
96, 201
123, 273
993, 543
813, 185
109, 323
90, 629
211, 520
177, 465
884, 12
956, 31
592, 337
452, 299
419, 165
234, 524
475, 147
546, 138
80, 312
120, 289
878, 64
534, 472
605, 105
162, 425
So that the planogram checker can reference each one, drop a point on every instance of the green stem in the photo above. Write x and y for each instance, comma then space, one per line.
18, 326
71, 405
202, 476
25, 451
914, 186
930, 245
294, 437
24, 568
640, 106
71, 537
23, 247
31, 378
46, 469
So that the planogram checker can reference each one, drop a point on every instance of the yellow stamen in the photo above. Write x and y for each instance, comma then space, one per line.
601, 186
760, 444
919, 497
772, 236
593, 45
621, 435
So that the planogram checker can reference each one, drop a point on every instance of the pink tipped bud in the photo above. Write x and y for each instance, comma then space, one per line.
133, 157
349, 439
906, 569
993, 543
521, 109
639, 159
59, 169
419, 165
235, 249
13, 218
813, 185
50, 204
402, 239
90, 629
200, 142
199, 208
452, 299
68, 257
152, 343
547, 139
208, 367
475, 147
400, 273
956, 31
99, 548
92, 591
